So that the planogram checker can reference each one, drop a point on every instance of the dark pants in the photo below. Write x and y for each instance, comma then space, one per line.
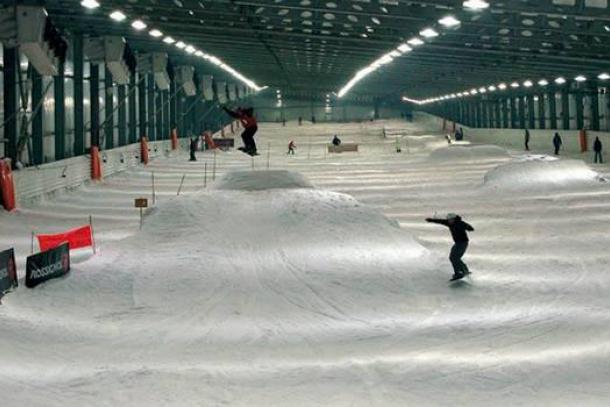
557, 149
457, 251
527, 145
248, 137
598, 156
193, 158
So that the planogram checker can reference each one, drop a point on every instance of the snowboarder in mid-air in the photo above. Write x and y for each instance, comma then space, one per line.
291, 147
458, 230
247, 119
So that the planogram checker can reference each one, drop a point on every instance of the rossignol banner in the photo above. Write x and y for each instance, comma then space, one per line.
8, 271
221, 91
47, 265
232, 94
207, 85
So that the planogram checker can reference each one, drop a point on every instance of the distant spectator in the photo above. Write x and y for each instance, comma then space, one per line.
336, 141
291, 147
527, 140
313, 119
597, 148
193, 148
557, 143
300, 120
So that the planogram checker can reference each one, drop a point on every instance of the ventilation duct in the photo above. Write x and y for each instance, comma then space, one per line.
30, 28
114, 52
207, 87
185, 78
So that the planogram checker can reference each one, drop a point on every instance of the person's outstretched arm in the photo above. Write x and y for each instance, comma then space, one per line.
439, 221
468, 227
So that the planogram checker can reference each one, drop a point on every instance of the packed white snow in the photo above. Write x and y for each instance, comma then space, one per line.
541, 174
290, 295
467, 151
260, 180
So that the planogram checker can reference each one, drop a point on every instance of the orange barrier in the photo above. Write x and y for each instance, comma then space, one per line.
77, 238
144, 150
207, 136
96, 164
7, 185
582, 138
174, 138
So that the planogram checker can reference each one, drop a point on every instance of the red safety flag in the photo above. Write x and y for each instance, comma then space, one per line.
77, 238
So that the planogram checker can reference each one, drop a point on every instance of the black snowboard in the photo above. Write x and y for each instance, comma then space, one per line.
250, 153
458, 278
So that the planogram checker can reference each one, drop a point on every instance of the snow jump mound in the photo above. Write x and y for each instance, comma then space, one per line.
262, 180
477, 152
539, 174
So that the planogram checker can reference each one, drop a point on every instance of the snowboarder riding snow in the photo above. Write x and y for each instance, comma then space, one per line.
336, 141
291, 147
458, 230
247, 119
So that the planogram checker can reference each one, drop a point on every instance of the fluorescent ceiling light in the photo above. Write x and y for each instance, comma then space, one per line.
180, 45
475, 4
449, 21
474, 92
428, 33
138, 25
169, 40
482, 90
560, 80
118, 15
603, 76
386, 59
155, 33
190, 49
543, 82
404, 48
492, 88
199, 54
514, 85
528, 84
502, 86
395, 54
580, 78
90, 4
415, 41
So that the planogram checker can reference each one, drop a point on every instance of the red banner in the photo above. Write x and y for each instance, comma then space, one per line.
77, 238
7, 185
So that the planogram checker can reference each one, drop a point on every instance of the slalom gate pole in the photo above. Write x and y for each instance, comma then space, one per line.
181, 182
92, 234
205, 175
153, 187
32, 244
141, 216
214, 167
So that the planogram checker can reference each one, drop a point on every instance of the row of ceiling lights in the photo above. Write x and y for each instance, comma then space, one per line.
449, 22
278, 94
502, 86
140, 25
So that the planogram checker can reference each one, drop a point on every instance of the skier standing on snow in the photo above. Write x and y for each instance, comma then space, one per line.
597, 147
557, 143
247, 119
458, 230
193, 148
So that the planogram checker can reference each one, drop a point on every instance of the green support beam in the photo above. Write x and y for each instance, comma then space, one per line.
122, 112
159, 114
11, 69
60, 114
150, 88
133, 109
593, 96
108, 110
37, 112
580, 114
541, 111
142, 117
552, 110
565, 108
95, 104
79, 96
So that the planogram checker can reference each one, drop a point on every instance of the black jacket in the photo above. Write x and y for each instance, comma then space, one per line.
458, 228
597, 145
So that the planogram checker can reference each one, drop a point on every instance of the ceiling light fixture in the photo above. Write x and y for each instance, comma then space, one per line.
560, 81
118, 15
603, 76
475, 4
449, 21
155, 33
90, 4
428, 33
169, 40
138, 25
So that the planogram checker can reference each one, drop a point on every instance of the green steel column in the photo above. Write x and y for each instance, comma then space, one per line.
108, 111
60, 114
159, 114
531, 112
505, 116
180, 112
541, 111
580, 114
521, 112
552, 110
133, 109
167, 126
122, 115
95, 105
143, 118
513, 112
498, 113
173, 119
151, 106
593, 93
565, 108
37, 112
79, 97
481, 114
11, 61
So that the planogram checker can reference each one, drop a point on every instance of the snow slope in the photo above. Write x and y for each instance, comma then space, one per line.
300, 296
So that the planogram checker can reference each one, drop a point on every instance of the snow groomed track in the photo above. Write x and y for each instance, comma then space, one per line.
246, 294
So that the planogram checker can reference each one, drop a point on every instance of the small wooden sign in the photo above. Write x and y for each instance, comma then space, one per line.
141, 202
